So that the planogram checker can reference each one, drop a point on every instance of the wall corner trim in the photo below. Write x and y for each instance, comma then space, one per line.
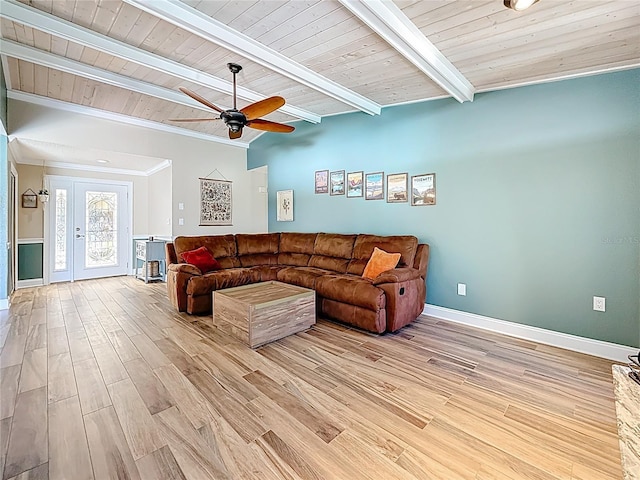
598, 348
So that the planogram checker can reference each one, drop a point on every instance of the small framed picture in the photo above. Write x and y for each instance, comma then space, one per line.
322, 181
354, 184
397, 184
423, 189
374, 186
337, 182
285, 206
29, 199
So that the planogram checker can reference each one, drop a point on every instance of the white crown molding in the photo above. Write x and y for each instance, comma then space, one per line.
598, 348
29, 16
198, 23
559, 78
387, 20
158, 168
116, 117
92, 168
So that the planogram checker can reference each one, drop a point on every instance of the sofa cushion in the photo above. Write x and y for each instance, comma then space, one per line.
352, 290
227, 278
405, 245
266, 273
293, 259
222, 247
297, 242
255, 243
301, 276
379, 262
337, 265
258, 259
202, 259
334, 245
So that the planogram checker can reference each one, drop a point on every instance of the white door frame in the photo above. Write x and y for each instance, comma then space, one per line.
47, 222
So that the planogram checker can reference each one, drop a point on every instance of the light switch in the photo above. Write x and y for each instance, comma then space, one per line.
181, 221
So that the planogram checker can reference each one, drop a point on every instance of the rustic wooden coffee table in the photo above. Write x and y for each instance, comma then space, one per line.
263, 312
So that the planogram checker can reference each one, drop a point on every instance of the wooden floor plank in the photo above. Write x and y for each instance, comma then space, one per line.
137, 424
91, 388
34, 370
153, 392
68, 449
61, 379
28, 446
436, 400
9, 377
110, 454
160, 465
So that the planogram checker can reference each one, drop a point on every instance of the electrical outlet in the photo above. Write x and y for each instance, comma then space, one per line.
181, 206
599, 304
181, 221
462, 289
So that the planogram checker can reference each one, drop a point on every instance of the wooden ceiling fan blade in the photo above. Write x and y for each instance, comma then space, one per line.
233, 135
198, 98
262, 108
270, 126
193, 119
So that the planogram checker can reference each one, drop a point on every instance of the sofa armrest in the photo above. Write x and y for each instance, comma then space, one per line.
397, 275
184, 268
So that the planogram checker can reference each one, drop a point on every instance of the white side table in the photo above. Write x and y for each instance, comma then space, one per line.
148, 251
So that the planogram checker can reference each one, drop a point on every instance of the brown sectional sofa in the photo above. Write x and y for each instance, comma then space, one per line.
331, 264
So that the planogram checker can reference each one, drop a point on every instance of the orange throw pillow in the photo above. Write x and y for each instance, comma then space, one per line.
379, 262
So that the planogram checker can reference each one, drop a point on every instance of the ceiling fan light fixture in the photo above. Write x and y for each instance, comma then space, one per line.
519, 5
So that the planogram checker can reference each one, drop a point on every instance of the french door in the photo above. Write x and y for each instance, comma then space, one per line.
88, 229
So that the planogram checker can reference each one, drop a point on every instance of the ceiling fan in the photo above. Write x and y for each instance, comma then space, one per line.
248, 116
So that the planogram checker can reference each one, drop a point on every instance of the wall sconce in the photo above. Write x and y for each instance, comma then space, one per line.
43, 194
519, 5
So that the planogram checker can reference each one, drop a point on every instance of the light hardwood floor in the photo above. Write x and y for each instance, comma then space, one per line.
102, 379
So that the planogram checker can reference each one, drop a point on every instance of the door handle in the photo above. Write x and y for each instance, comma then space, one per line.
78, 235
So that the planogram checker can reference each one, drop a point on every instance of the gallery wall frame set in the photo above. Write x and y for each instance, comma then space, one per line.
399, 186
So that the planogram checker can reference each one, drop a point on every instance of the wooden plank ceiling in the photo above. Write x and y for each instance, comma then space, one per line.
491, 46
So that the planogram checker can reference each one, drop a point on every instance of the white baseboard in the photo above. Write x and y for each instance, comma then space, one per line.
598, 348
34, 282
4, 304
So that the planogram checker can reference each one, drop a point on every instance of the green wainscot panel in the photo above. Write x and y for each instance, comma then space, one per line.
29, 261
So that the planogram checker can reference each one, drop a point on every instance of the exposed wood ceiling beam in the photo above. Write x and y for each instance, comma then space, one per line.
26, 15
50, 60
117, 117
389, 22
212, 30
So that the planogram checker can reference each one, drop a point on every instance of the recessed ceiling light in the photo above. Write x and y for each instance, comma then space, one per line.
519, 5
102, 161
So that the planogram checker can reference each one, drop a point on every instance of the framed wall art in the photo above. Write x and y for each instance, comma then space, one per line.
354, 184
285, 206
397, 184
215, 202
322, 181
374, 186
29, 199
337, 183
423, 189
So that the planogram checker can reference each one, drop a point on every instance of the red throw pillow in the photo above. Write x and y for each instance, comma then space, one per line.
201, 258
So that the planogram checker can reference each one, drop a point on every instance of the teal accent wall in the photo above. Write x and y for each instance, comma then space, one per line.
30, 261
538, 197
4, 191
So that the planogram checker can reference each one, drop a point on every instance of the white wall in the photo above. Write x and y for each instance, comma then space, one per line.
191, 159
160, 215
